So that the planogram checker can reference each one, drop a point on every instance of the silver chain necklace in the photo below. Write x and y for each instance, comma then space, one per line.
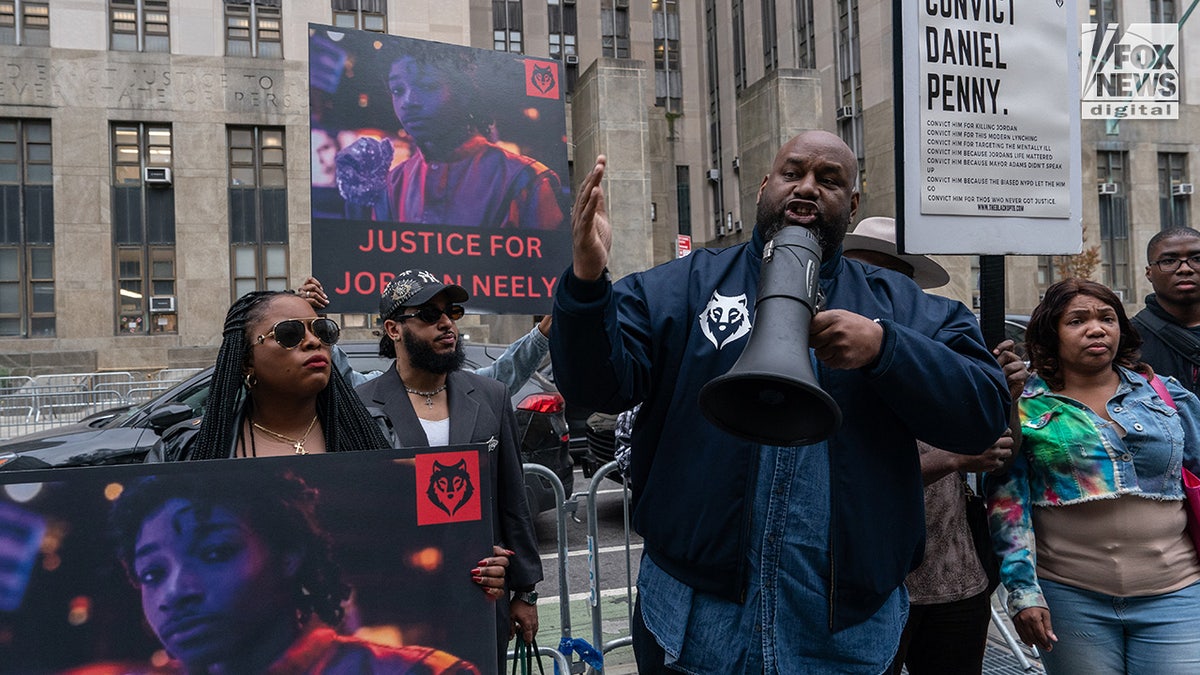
427, 394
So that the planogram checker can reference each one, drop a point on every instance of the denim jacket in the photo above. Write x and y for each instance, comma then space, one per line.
1070, 455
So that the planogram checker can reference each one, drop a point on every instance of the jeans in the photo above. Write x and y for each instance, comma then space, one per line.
948, 637
1100, 634
782, 627
649, 654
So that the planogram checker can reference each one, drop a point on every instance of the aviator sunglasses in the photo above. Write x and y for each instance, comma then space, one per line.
290, 333
430, 313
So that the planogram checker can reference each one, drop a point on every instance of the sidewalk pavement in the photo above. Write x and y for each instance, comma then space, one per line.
998, 658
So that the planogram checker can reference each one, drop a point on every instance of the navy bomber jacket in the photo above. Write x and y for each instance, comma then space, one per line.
658, 336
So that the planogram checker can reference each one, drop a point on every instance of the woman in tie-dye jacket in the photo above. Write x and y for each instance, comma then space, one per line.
1089, 521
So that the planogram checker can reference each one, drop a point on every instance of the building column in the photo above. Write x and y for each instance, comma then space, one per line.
771, 111
609, 115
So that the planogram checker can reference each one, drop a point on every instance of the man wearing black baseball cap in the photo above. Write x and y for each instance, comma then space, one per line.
513, 367
406, 297
430, 401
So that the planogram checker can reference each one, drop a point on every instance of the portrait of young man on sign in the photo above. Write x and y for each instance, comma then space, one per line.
273, 566
454, 155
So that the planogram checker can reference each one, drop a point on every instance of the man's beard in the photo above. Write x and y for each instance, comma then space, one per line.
829, 234
422, 357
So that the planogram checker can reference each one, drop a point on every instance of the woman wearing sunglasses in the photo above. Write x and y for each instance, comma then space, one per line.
275, 392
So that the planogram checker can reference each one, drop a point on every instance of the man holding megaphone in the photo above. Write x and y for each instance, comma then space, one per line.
767, 555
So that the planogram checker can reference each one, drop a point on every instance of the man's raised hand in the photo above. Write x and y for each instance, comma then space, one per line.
591, 232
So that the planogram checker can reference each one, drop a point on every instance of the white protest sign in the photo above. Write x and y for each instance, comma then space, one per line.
990, 156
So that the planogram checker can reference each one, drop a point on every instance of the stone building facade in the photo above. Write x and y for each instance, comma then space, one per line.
154, 154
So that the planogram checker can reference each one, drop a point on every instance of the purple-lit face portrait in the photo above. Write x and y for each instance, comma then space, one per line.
425, 103
211, 588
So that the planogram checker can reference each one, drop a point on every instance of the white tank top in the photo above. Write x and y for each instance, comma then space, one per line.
437, 431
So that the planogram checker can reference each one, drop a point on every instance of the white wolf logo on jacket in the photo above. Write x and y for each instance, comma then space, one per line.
725, 319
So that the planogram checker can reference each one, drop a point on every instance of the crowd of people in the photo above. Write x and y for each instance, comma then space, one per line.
818, 558
865, 552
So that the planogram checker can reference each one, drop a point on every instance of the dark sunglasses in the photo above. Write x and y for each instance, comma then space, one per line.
290, 333
431, 313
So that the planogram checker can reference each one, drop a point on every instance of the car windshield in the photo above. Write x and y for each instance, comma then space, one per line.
192, 394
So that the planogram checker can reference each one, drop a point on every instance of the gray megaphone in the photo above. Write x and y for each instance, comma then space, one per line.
771, 395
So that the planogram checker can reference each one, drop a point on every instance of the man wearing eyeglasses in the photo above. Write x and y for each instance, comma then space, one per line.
1170, 323
430, 401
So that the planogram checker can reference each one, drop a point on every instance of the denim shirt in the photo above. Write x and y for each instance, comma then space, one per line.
514, 367
782, 627
1070, 455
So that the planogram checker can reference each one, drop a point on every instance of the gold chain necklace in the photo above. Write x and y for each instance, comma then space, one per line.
297, 443
427, 394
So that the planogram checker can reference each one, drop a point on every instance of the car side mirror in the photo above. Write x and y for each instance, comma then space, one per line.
169, 415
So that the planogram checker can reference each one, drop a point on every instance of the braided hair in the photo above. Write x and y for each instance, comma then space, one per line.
279, 508
345, 420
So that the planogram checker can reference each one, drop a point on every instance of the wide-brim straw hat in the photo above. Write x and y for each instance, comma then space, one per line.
878, 234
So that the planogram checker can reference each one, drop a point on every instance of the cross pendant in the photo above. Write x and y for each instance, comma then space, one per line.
428, 401
299, 446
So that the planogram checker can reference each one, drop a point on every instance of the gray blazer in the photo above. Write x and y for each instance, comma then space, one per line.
480, 412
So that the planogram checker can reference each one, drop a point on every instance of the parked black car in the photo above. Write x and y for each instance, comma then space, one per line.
125, 434
1014, 329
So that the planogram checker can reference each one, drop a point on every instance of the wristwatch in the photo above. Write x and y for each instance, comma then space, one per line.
527, 597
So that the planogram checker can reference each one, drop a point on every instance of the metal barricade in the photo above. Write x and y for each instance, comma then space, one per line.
158, 383
16, 419
12, 384
71, 406
563, 510
16, 406
594, 563
174, 375
566, 507
118, 381
1001, 597
62, 381
64, 396
32, 404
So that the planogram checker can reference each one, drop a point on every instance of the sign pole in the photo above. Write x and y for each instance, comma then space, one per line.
991, 299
